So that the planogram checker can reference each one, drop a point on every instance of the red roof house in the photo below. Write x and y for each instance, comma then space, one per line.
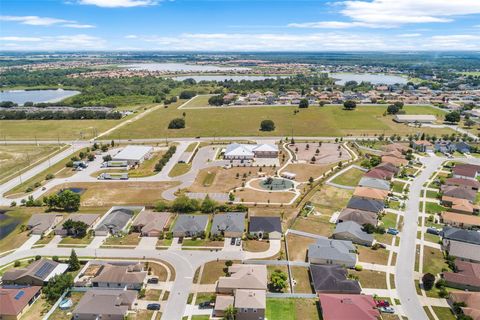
348, 306
14, 301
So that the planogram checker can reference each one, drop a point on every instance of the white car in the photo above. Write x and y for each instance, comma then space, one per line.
386, 309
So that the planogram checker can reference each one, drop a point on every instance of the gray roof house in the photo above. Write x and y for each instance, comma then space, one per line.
332, 279
364, 204
35, 274
359, 216
352, 231
189, 225
461, 243
115, 221
43, 222
105, 304
330, 251
460, 193
260, 225
86, 218
374, 183
230, 224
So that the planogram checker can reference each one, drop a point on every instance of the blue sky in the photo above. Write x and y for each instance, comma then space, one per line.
240, 25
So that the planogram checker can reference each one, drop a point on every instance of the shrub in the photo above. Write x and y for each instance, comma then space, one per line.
267, 125
16, 264
428, 281
49, 176
349, 105
187, 94
358, 267
177, 123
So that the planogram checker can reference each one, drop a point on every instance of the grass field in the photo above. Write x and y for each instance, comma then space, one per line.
314, 121
14, 158
15, 238
198, 102
433, 261
370, 278
292, 309
179, 169
351, 177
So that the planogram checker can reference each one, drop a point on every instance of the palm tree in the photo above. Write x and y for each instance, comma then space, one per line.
230, 313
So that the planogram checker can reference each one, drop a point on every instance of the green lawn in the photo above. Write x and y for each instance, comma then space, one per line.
432, 194
444, 313
327, 121
179, 169
280, 309
398, 186
351, 177
431, 207
433, 261
389, 220
198, 102
14, 218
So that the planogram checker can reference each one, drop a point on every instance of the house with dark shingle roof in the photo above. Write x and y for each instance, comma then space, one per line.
35, 274
112, 304
230, 224
190, 225
260, 225
463, 183
461, 243
460, 193
466, 277
332, 279
352, 231
42, 223
359, 216
364, 204
374, 183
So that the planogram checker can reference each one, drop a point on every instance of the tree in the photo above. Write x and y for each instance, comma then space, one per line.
216, 100
187, 94
368, 228
185, 204
469, 123
208, 205
68, 200
177, 123
267, 125
392, 109
73, 262
349, 105
399, 104
75, 228
453, 117
56, 286
229, 313
278, 280
428, 281
303, 103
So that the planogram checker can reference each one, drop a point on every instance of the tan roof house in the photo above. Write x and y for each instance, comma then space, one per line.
105, 304
371, 193
150, 223
15, 301
121, 275
460, 220
244, 276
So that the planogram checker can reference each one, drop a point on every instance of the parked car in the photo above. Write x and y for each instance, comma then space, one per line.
392, 231
383, 303
153, 280
206, 305
239, 241
386, 309
153, 306
434, 231
180, 240
232, 242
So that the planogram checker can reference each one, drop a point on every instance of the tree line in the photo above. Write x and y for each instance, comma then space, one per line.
59, 115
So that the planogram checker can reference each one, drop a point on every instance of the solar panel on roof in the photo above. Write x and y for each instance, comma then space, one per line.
19, 295
44, 270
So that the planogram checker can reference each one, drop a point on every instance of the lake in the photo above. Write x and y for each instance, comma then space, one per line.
342, 78
223, 78
36, 96
179, 67
7, 224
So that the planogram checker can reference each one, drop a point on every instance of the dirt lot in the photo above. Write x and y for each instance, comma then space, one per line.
119, 193
249, 195
298, 247
315, 224
330, 199
218, 179
327, 152
255, 245
379, 256
304, 171
302, 276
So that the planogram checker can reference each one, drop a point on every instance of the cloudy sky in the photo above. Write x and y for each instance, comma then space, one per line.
240, 25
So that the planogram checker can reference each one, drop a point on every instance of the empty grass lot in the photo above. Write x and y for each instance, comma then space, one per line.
327, 121
298, 247
212, 271
15, 158
330, 199
369, 255
433, 261
389, 220
292, 309
351, 177
302, 276
444, 313
370, 278
131, 239
431, 207
179, 169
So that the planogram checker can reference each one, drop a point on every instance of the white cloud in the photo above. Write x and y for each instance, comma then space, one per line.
330, 25
409, 35
119, 3
394, 13
45, 21
61, 42
131, 36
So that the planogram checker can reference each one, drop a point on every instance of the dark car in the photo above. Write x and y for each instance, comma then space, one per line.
206, 305
433, 231
232, 242
152, 280
180, 240
153, 306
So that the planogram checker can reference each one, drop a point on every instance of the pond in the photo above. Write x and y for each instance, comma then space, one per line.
7, 223
388, 79
79, 191
36, 96
276, 184
179, 67
223, 78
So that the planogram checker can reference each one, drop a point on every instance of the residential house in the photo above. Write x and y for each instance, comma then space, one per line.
42, 223
112, 274
388, 167
463, 183
370, 193
395, 160
359, 216
466, 277
150, 223
87, 218
348, 306
460, 220
471, 301
374, 183
190, 225
105, 304
422, 145
461, 243
330, 251
115, 221
230, 224
400, 147
36, 273
444, 146
243, 276
366, 204
460, 193
16, 300
466, 171
460, 205
260, 225
332, 279
379, 174
352, 231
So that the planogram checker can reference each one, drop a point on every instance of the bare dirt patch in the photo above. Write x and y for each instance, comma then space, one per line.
304, 170
249, 195
298, 247
324, 153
